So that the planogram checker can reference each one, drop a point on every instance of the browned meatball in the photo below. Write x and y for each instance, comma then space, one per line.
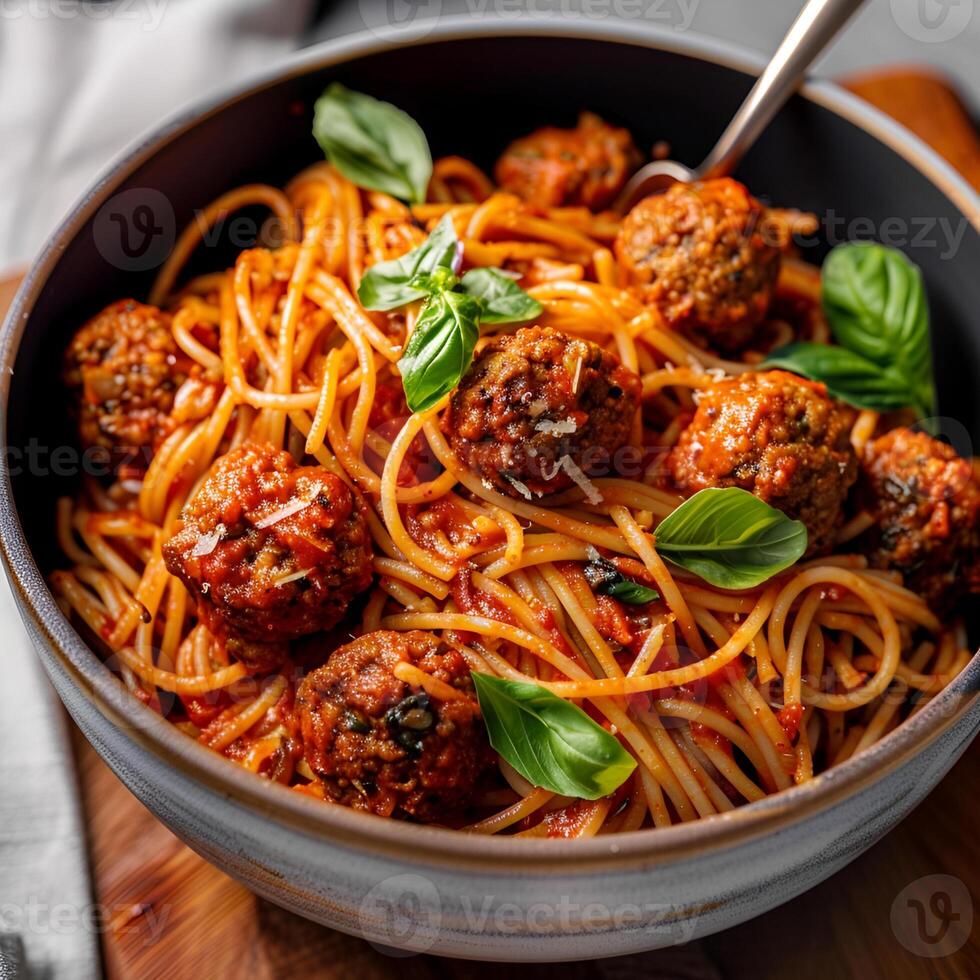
271, 550
925, 500
706, 255
382, 745
778, 436
124, 368
538, 409
552, 167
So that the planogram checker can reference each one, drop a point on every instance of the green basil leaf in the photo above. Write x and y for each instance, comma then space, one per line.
551, 742
730, 538
388, 285
848, 376
502, 299
440, 350
632, 593
373, 144
875, 303
606, 579
435, 282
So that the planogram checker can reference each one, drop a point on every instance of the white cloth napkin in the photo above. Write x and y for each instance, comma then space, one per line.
80, 82
45, 899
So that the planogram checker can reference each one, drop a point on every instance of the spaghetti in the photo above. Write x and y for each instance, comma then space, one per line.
721, 696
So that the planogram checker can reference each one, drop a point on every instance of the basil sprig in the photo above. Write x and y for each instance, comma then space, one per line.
440, 350
373, 144
607, 579
875, 303
730, 538
551, 742
388, 285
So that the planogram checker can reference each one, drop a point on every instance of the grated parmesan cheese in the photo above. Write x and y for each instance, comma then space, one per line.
206, 543
293, 577
521, 488
565, 427
546, 476
584, 483
293, 507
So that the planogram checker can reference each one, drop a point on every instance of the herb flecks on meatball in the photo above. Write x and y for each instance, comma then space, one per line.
707, 256
585, 166
778, 436
124, 368
381, 745
539, 411
925, 500
271, 550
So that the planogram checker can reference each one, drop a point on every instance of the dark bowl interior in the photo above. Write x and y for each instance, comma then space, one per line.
471, 97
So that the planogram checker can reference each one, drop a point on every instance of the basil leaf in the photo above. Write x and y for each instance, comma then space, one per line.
730, 538
373, 144
606, 579
503, 301
632, 593
440, 350
875, 303
848, 376
551, 742
388, 285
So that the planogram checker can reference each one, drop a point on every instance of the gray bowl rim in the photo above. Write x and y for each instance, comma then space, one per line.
408, 843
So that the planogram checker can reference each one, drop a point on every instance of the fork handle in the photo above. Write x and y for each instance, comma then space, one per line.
816, 26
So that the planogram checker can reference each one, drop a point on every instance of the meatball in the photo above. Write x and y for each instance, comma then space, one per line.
925, 500
124, 369
587, 166
538, 409
706, 255
271, 550
780, 437
382, 745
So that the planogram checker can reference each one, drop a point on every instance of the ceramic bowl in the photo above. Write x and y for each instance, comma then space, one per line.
473, 86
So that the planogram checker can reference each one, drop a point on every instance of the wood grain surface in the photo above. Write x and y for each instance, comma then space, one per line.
930, 108
171, 916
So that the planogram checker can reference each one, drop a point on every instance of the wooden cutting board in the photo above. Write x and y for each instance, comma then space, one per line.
170, 915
